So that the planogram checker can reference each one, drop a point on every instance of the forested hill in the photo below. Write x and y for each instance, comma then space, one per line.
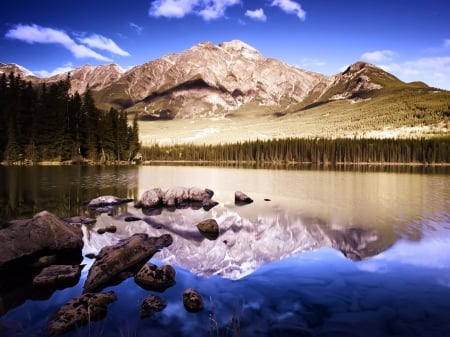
45, 123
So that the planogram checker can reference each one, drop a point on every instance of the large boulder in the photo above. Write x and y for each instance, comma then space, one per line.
45, 234
152, 277
80, 311
123, 259
151, 198
209, 228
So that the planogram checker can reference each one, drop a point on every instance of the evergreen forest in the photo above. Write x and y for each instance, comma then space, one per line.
434, 150
45, 123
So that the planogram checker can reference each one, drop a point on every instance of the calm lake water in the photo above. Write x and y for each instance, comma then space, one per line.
318, 253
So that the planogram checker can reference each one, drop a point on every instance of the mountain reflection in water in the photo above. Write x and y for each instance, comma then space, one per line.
331, 254
243, 244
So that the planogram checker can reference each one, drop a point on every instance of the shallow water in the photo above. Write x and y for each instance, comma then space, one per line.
332, 253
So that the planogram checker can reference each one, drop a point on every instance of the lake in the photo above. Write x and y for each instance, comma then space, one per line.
320, 252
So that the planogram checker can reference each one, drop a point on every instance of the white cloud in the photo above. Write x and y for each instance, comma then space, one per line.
136, 27
37, 34
60, 70
257, 14
103, 43
207, 9
379, 56
290, 7
434, 71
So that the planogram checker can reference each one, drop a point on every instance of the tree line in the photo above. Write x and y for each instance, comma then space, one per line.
434, 150
45, 123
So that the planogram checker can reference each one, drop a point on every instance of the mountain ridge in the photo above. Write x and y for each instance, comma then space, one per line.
210, 80
216, 93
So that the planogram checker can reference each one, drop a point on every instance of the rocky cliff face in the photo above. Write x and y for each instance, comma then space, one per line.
96, 78
215, 80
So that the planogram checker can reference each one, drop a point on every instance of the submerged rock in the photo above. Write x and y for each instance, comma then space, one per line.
80, 311
150, 305
119, 261
58, 276
240, 198
209, 228
25, 242
107, 200
152, 277
192, 300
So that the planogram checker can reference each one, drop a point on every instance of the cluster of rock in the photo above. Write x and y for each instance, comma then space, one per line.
177, 197
50, 258
39, 256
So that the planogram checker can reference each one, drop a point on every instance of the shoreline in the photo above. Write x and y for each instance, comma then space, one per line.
228, 162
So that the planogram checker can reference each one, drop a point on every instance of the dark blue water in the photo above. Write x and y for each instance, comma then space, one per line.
287, 272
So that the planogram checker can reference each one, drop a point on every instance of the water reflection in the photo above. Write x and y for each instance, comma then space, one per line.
283, 267
24, 191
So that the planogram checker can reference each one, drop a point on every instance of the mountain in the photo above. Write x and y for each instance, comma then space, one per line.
209, 80
7, 68
96, 78
258, 98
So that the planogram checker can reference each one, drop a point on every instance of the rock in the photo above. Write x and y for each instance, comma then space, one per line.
101, 230
150, 199
176, 197
152, 277
198, 194
45, 234
209, 228
91, 255
132, 218
150, 305
207, 204
58, 276
80, 311
111, 229
241, 198
120, 258
192, 300
107, 200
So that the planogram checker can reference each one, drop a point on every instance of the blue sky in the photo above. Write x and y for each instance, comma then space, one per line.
409, 38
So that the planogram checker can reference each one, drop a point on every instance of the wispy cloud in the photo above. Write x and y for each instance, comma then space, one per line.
379, 56
257, 14
103, 43
136, 27
206, 9
37, 34
447, 43
290, 7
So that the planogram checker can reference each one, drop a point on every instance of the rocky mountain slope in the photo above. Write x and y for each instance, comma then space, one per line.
210, 80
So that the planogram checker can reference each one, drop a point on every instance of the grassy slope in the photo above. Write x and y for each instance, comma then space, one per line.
397, 110
393, 112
